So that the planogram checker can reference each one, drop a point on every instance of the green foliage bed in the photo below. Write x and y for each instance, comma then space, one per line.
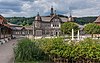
47, 49
32, 62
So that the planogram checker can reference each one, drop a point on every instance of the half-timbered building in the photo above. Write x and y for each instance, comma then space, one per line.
49, 25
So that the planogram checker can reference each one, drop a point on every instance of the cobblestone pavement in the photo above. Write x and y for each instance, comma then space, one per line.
6, 52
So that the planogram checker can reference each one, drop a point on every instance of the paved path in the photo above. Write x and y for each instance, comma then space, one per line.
6, 52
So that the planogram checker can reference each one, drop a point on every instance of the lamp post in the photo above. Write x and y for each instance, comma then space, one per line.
72, 34
78, 35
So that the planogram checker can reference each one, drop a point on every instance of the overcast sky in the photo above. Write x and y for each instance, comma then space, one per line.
30, 8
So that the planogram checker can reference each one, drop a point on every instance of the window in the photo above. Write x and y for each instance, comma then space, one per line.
53, 25
37, 24
57, 25
55, 22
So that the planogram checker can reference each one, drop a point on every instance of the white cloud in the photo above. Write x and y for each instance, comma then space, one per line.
31, 7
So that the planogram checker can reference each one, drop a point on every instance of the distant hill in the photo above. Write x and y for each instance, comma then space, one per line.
85, 20
26, 21
59, 15
21, 20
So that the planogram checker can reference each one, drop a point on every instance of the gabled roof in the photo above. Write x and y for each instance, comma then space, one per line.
14, 25
16, 28
3, 19
28, 27
64, 19
20, 28
48, 19
97, 20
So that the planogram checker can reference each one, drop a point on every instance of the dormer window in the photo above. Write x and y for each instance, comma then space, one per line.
56, 20
55, 23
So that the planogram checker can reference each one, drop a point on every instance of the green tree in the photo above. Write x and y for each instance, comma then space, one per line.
67, 27
92, 28
24, 23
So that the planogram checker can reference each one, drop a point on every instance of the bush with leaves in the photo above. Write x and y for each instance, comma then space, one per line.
88, 49
83, 50
92, 28
26, 50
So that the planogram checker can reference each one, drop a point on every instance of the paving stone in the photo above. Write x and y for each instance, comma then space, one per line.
6, 52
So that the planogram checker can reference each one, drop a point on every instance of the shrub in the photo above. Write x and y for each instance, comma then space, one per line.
88, 49
26, 50
83, 50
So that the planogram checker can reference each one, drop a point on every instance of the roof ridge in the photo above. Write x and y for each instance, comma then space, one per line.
98, 19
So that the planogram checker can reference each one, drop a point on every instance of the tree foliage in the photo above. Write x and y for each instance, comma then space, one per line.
21, 20
92, 28
85, 20
67, 27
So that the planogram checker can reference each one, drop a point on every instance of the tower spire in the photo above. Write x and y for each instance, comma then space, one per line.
55, 12
52, 11
70, 13
38, 14
71, 19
